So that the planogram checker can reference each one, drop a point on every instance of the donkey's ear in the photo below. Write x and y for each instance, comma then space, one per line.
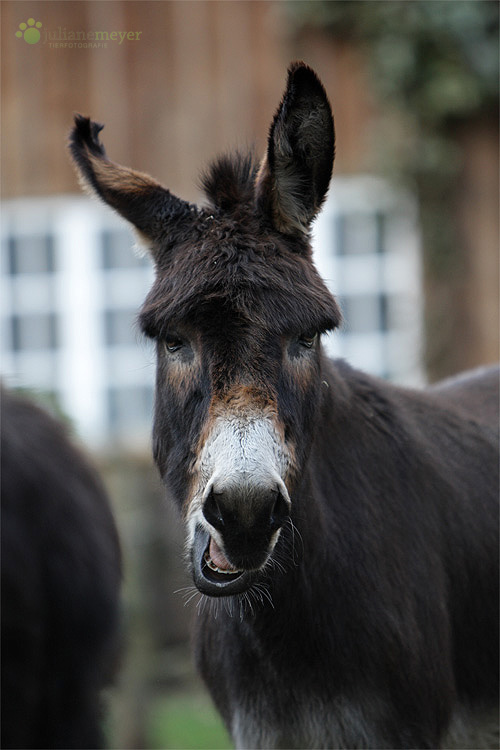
295, 173
151, 208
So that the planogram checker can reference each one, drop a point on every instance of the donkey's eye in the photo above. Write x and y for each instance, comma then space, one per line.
173, 343
308, 339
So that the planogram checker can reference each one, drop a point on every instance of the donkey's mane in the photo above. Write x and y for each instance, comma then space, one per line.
229, 180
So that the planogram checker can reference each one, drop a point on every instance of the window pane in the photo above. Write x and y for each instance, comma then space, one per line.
34, 332
364, 313
118, 251
357, 233
120, 327
31, 254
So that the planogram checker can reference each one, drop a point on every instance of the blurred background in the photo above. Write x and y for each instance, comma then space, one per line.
408, 239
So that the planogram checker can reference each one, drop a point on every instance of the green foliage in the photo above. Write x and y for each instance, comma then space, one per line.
433, 65
433, 62
187, 722
435, 58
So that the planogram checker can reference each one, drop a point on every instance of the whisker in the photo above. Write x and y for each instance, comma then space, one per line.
191, 597
188, 593
247, 600
264, 592
275, 563
295, 534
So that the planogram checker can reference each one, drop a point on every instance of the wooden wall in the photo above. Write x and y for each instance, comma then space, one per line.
203, 77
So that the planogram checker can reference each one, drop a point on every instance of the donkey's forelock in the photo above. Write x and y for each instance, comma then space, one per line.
229, 182
241, 278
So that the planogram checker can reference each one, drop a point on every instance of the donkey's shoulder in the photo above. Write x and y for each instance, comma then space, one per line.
463, 409
475, 393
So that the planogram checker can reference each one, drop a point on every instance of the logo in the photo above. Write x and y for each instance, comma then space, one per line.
29, 31
73, 39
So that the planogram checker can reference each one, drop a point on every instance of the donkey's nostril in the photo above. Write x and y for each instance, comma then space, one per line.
279, 513
212, 512
238, 513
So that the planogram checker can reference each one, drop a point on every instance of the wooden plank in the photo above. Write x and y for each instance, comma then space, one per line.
193, 124
151, 85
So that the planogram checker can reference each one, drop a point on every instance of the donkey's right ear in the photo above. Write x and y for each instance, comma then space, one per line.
151, 208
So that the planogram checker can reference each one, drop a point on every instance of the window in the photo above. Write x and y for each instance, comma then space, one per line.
71, 287
367, 249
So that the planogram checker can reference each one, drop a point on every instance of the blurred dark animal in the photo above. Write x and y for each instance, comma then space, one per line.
61, 572
343, 532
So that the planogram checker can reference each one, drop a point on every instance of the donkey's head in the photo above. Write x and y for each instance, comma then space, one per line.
236, 310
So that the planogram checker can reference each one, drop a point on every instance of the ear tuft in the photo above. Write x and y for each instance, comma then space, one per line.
84, 143
86, 134
152, 209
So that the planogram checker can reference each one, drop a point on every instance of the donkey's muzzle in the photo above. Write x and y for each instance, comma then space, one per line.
228, 559
247, 523
243, 466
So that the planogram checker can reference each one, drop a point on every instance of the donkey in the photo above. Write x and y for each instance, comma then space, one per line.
342, 531
61, 576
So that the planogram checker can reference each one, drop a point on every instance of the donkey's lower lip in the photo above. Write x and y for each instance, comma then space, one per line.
208, 577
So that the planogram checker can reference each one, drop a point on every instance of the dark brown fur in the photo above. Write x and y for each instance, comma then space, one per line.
374, 621
61, 570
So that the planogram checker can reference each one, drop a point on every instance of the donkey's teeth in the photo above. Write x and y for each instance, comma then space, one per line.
217, 561
216, 569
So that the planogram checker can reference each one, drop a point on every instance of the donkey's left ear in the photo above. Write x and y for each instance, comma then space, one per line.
151, 208
295, 173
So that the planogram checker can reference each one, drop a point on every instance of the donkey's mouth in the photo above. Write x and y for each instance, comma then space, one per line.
212, 572
218, 563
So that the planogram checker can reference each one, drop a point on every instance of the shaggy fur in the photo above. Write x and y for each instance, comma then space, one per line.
373, 622
60, 586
